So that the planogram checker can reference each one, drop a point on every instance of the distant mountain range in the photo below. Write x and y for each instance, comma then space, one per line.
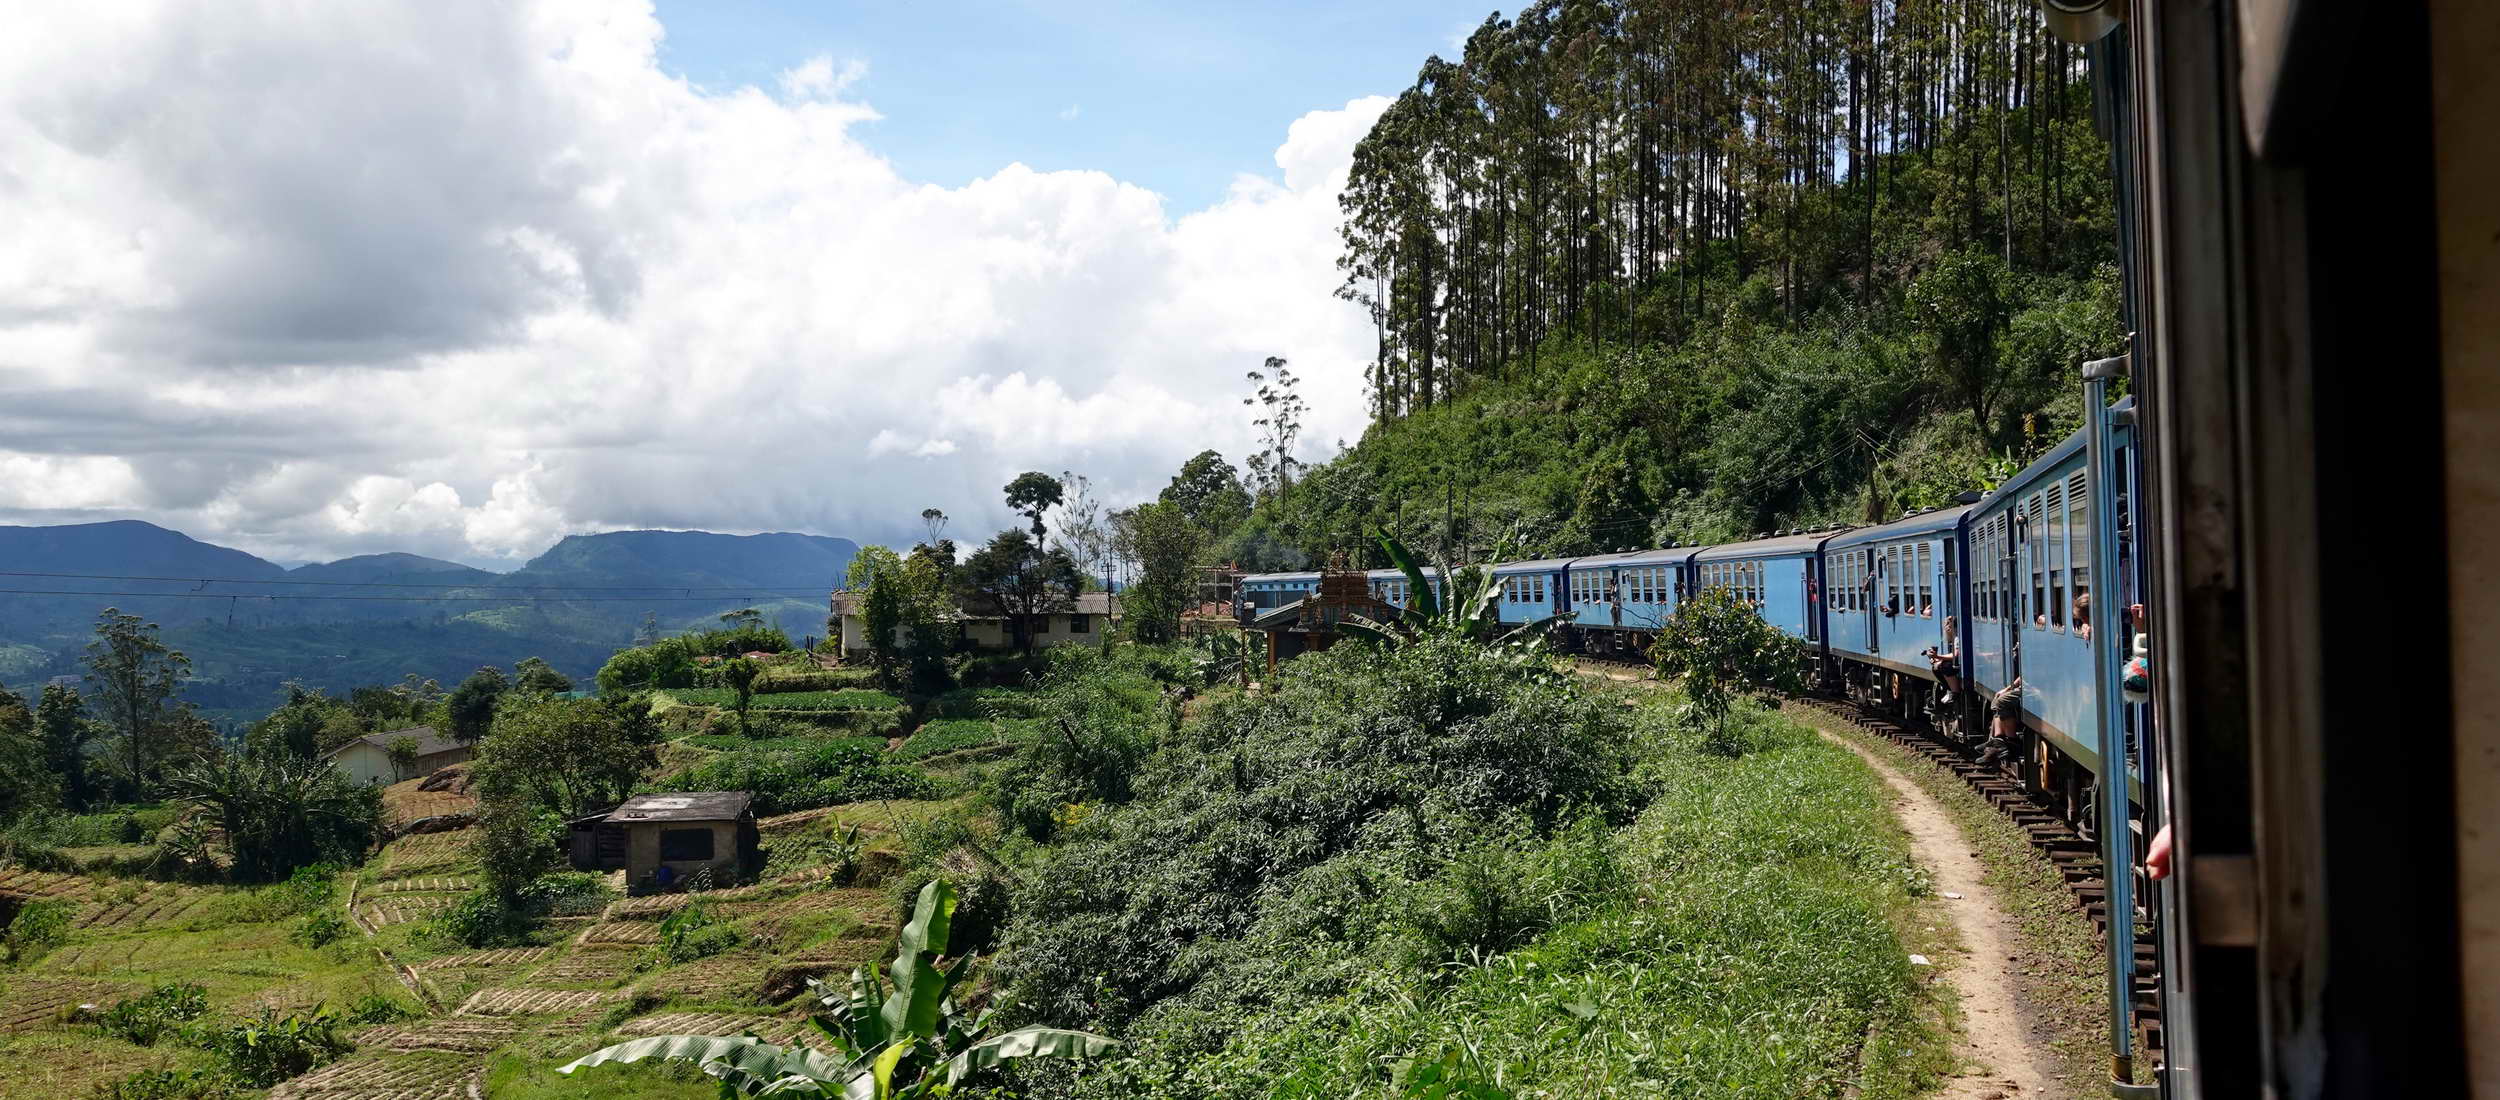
250, 625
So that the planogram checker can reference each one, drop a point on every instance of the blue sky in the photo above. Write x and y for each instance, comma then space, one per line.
1174, 97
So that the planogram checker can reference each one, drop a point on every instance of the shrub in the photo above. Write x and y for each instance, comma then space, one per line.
481, 918
694, 931
568, 894
281, 812
38, 926
846, 699
167, 1084
1723, 650
1502, 890
152, 1015
828, 773
956, 734
267, 1047
678, 661
781, 742
320, 929
375, 1008
779, 680
984, 703
309, 888
1008, 670
1297, 818
1095, 723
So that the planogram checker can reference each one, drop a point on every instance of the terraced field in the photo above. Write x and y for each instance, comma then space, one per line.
589, 981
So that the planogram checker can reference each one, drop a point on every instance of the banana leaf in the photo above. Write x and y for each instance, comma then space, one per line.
919, 986
1028, 1042
744, 1055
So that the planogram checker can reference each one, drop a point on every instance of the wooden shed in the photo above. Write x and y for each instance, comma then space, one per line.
685, 833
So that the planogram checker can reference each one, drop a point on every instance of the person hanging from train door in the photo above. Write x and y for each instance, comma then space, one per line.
2005, 723
1946, 663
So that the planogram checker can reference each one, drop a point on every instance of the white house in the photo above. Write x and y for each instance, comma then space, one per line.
367, 759
1089, 622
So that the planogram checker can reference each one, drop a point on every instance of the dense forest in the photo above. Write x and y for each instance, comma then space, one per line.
1693, 269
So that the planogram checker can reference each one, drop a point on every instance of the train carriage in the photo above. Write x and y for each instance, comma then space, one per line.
1531, 590
1395, 588
1263, 591
1892, 594
2034, 601
1779, 576
1621, 601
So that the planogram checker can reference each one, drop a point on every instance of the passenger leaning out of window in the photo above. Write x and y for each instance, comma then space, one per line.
2083, 615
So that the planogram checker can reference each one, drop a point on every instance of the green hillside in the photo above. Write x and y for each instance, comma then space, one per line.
1653, 273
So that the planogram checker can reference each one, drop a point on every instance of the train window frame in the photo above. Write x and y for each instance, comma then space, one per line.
2054, 501
1926, 580
2079, 534
2035, 615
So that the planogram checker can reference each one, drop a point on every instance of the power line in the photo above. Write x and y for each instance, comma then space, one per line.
398, 584
748, 593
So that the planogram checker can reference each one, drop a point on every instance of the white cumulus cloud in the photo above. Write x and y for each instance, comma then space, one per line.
460, 277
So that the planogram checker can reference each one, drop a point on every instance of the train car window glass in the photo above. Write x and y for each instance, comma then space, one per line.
2038, 611
2079, 533
2056, 545
1926, 580
1985, 572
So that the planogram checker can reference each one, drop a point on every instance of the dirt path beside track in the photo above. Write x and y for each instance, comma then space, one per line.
2001, 1058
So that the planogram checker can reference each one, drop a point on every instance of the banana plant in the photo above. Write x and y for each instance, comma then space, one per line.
1464, 605
888, 1040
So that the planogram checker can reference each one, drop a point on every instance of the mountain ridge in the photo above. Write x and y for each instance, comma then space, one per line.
250, 626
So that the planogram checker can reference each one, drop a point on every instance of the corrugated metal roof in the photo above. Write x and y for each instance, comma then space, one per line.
1781, 546
1539, 565
1942, 519
428, 741
1666, 556
1393, 574
688, 806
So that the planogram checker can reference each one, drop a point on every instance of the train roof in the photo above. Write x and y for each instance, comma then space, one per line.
1273, 577
1664, 556
1777, 546
1393, 574
1539, 565
1940, 519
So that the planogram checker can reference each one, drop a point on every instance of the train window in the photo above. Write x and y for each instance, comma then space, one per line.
2038, 610
2055, 544
2079, 534
1926, 580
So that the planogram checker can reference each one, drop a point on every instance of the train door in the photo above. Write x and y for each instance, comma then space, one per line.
1812, 604
2010, 597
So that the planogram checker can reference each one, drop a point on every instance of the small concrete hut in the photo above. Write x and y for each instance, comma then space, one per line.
686, 833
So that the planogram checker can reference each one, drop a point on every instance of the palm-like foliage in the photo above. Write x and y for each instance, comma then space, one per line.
900, 1039
281, 811
1464, 607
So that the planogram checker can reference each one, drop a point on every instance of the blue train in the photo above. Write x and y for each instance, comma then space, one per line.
2006, 584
